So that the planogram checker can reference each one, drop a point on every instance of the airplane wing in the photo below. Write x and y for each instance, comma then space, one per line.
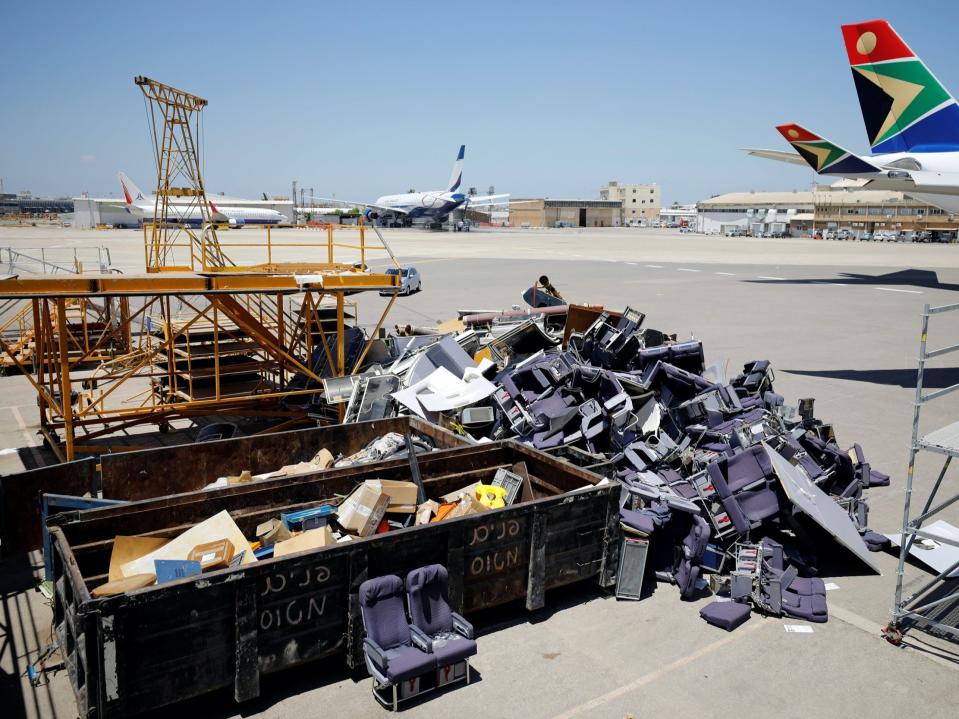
946, 183
334, 201
790, 157
488, 200
926, 180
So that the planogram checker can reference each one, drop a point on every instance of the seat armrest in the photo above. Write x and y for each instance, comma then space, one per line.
860, 458
421, 639
462, 626
375, 652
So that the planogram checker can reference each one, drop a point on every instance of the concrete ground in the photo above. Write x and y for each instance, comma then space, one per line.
838, 320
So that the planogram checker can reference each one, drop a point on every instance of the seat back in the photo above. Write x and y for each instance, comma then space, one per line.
750, 465
428, 592
384, 616
735, 512
696, 541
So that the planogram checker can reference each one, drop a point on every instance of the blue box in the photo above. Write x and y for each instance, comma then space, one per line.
307, 518
167, 570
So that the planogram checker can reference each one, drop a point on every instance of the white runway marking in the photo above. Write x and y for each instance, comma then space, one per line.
630, 263
892, 289
686, 269
769, 277
655, 267
728, 274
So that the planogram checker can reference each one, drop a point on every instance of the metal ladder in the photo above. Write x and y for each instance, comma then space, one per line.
944, 442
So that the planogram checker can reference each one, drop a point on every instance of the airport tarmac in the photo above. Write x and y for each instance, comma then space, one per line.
838, 320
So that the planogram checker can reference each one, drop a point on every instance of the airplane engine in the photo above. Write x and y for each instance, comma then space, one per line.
237, 222
370, 214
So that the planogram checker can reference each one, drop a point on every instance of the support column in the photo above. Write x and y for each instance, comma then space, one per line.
65, 388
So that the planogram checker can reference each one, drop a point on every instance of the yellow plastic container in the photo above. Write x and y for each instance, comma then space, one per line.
490, 496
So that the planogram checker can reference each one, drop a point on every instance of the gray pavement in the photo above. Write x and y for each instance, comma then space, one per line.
838, 320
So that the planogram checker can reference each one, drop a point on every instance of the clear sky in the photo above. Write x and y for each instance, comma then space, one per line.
366, 98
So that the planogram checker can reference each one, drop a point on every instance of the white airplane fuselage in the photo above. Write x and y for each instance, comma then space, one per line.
191, 214
415, 205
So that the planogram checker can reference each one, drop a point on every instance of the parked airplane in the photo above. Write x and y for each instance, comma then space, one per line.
911, 119
142, 206
432, 207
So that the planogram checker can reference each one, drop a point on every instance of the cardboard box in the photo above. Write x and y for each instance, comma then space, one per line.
126, 549
311, 539
271, 532
219, 526
402, 495
361, 512
467, 505
469, 489
426, 511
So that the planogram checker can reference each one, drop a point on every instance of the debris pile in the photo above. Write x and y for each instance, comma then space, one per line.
719, 476
714, 470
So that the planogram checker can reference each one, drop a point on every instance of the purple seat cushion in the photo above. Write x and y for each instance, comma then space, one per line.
876, 542
727, 615
811, 608
405, 662
637, 520
747, 467
807, 586
758, 504
450, 648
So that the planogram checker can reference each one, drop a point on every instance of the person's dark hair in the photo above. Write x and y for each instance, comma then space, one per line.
544, 280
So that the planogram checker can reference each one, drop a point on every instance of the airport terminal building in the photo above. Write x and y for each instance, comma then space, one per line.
826, 207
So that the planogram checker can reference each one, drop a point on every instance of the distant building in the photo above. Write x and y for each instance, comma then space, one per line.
861, 211
565, 213
678, 214
756, 212
827, 207
641, 203
24, 203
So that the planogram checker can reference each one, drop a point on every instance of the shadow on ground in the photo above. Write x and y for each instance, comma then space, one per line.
910, 278
932, 377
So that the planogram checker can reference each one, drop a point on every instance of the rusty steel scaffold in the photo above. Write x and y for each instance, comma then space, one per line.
199, 333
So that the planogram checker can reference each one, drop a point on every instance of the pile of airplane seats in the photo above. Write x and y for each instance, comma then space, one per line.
725, 479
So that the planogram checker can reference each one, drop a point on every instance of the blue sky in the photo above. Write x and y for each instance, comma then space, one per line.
366, 98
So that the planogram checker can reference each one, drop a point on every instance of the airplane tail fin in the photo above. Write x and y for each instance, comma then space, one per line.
823, 156
457, 177
905, 108
131, 193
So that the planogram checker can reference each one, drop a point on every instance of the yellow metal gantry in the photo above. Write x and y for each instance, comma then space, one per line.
108, 352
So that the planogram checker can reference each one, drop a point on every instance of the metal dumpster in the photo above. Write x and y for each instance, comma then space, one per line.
148, 473
159, 645
158, 472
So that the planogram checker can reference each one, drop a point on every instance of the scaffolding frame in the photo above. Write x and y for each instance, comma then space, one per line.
942, 442
134, 367
174, 117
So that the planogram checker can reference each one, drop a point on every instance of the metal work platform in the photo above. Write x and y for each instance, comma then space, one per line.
187, 343
935, 605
